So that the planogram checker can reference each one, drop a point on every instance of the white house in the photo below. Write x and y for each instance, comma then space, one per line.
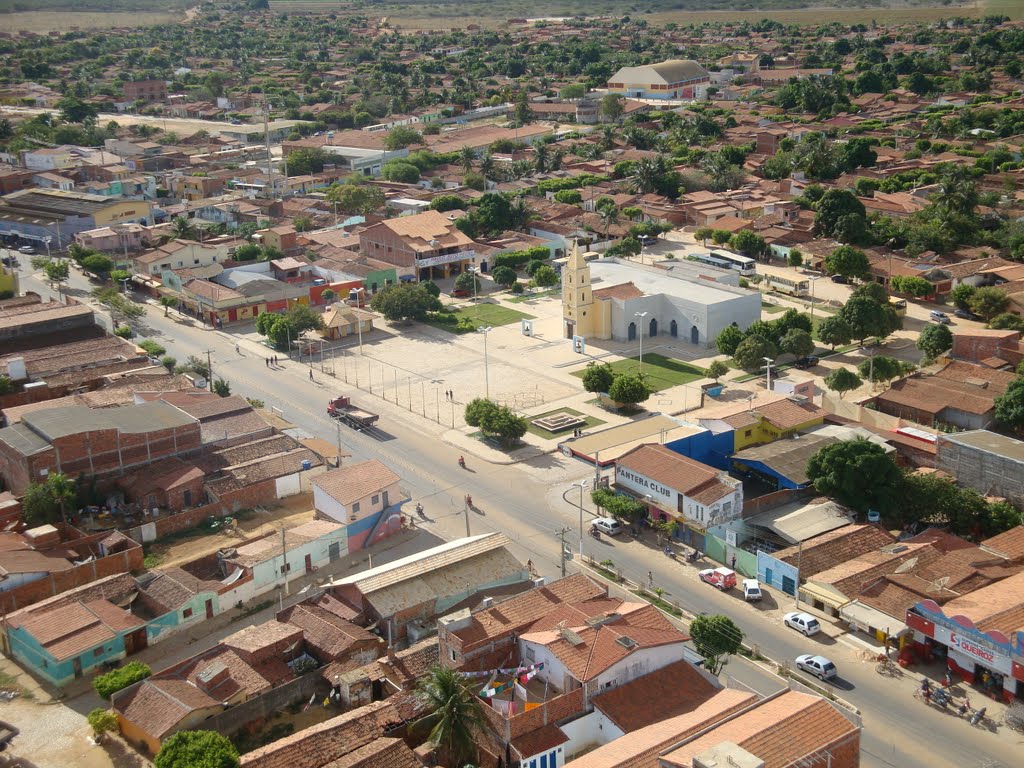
364, 497
675, 486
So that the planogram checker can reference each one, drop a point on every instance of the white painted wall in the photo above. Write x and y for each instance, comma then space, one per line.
288, 485
640, 663
590, 731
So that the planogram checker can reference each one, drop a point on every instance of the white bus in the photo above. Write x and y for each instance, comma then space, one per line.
792, 286
745, 265
711, 261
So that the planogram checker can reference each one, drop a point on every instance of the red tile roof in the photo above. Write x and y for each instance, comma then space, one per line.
356, 481
678, 688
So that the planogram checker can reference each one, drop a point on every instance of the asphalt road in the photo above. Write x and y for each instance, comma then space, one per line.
898, 730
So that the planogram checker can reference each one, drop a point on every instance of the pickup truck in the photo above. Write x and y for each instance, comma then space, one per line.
341, 408
723, 578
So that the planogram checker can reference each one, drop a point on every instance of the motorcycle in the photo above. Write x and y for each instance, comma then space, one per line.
462, 462
978, 716
595, 533
693, 557
419, 510
469, 501
668, 552
941, 697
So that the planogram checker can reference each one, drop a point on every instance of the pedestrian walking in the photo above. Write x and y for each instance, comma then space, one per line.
310, 374
266, 361
650, 578
274, 358
733, 561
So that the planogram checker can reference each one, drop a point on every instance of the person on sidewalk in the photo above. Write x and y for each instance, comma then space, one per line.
310, 374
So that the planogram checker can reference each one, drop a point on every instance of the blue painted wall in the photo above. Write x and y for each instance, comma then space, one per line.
706, 447
777, 574
40, 663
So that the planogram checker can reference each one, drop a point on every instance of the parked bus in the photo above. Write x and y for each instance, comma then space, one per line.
788, 285
711, 261
900, 305
742, 264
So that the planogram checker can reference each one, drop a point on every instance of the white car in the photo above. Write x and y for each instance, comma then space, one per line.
802, 622
608, 525
819, 666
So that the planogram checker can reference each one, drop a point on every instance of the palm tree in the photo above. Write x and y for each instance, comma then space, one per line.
487, 166
466, 157
455, 715
182, 228
609, 215
62, 490
540, 154
519, 212
646, 175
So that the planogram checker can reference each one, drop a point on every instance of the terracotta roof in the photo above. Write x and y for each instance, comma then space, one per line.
786, 414
934, 394
525, 609
621, 292
681, 473
539, 740
356, 481
1009, 543
780, 731
422, 228
836, 546
588, 650
640, 749
329, 634
319, 745
259, 636
678, 688
379, 753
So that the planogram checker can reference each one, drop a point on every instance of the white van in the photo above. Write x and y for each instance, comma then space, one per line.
608, 525
751, 590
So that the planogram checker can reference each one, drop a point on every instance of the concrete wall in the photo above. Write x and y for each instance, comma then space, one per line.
985, 472
773, 572
264, 706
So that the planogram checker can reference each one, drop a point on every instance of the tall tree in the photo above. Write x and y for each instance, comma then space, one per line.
197, 749
456, 715
839, 470
842, 380
716, 638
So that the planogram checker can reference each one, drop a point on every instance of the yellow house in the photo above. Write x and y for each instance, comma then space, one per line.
766, 422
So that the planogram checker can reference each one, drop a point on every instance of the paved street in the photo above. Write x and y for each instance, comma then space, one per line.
525, 502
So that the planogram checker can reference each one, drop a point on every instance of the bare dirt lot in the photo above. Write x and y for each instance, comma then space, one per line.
290, 512
66, 21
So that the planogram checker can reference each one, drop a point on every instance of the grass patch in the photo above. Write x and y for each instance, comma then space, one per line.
771, 309
658, 602
152, 559
659, 371
467, 319
492, 314
533, 429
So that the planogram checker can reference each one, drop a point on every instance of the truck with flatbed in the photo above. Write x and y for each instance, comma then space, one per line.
341, 408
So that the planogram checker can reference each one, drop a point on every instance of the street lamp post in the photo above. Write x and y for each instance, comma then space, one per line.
768, 372
487, 378
640, 328
47, 240
581, 485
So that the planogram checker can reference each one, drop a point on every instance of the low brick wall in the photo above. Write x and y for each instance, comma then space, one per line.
262, 707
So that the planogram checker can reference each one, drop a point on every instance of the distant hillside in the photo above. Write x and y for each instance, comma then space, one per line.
113, 6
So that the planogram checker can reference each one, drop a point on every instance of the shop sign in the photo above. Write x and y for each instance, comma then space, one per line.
982, 652
643, 485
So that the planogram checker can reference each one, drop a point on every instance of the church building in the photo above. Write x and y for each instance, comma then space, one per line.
613, 299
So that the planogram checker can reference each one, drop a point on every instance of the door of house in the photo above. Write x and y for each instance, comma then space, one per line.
309, 563
570, 327
631, 332
673, 329
384, 500
694, 335
209, 609
135, 641
788, 586
654, 327
333, 551
76, 663
768, 577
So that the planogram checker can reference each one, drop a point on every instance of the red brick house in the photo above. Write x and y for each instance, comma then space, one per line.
423, 246
145, 90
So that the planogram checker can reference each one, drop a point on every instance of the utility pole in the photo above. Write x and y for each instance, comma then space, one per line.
266, 137
465, 512
338, 425
209, 370
561, 538
284, 560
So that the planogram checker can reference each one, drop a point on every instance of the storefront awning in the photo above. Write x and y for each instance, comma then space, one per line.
824, 593
673, 514
864, 616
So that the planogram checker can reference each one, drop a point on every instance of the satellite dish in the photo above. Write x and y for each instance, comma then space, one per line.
908, 565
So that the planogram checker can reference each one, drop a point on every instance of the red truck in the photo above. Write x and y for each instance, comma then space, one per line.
341, 408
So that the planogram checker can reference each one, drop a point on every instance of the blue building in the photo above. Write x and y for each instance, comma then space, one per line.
72, 634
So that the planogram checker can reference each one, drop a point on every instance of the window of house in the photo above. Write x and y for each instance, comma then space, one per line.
286, 568
97, 652
451, 654
747, 433
186, 497
355, 508
187, 613
375, 499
